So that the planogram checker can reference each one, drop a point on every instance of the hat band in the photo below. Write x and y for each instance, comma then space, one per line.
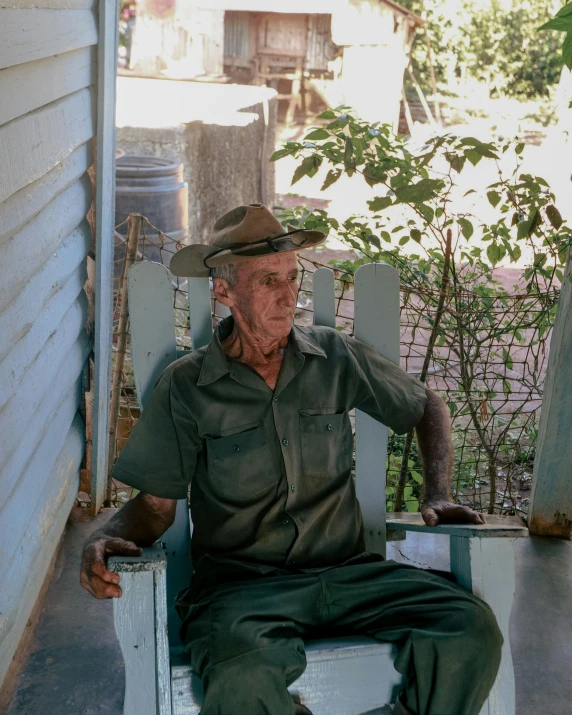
246, 249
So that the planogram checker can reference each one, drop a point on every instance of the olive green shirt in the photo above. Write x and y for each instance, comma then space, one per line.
269, 470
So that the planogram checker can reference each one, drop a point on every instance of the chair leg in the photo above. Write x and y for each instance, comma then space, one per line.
486, 567
140, 617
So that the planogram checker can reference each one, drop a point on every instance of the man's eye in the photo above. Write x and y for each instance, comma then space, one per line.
267, 281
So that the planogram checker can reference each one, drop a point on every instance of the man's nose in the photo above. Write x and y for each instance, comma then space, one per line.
287, 293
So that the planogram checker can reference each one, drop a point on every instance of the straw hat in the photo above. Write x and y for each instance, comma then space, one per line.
241, 234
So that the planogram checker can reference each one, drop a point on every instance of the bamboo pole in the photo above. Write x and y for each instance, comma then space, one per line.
431, 65
133, 231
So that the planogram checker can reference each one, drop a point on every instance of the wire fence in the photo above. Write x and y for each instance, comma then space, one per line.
491, 377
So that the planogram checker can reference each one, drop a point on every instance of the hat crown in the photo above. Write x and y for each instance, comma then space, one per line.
245, 224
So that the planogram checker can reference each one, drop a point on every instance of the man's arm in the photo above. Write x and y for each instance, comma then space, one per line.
139, 523
436, 448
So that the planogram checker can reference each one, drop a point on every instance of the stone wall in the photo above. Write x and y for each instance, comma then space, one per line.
223, 134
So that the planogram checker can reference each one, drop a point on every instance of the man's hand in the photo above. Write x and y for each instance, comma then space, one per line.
445, 512
94, 576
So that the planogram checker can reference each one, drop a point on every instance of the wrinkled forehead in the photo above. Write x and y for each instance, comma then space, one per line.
281, 264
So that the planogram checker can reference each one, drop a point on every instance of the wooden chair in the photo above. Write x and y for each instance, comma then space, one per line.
344, 676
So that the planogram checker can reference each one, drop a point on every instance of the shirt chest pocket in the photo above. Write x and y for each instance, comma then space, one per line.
240, 465
326, 444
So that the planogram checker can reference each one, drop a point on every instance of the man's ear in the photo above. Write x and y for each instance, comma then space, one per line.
223, 292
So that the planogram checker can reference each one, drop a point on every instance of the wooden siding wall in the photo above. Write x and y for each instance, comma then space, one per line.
47, 123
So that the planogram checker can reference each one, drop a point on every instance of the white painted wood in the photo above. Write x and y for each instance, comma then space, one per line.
21, 514
140, 624
550, 511
135, 627
22, 206
31, 34
21, 314
49, 135
152, 324
65, 473
486, 567
57, 309
46, 81
153, 348
200, 312
63, 380
495, 526
104, 221
20, 408
343, 677
323, 287
31, 247
376, 323
48, 4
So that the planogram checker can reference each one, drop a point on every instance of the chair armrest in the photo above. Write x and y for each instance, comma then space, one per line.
152, 559
495, 526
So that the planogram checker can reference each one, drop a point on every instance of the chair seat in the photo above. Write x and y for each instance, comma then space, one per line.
344, 676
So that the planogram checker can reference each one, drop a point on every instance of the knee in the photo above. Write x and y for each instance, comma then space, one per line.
481, 629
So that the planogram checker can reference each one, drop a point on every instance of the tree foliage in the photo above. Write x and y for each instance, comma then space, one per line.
494, 41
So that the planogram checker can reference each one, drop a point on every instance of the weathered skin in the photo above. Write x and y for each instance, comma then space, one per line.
262, 302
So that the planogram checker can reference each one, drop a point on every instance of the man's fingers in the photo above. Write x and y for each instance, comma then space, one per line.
122, 548
98, 568
430, 517
100, 588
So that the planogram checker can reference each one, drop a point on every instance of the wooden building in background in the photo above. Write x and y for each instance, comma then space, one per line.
351, 52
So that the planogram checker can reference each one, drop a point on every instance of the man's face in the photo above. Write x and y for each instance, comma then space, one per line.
265, 293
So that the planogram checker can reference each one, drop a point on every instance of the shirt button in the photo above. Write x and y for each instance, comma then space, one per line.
285, 442
275, 399
292, 487
236, 448
330, 428
285, 521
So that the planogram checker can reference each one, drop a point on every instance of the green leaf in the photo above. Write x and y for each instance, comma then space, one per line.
423, 190
379, 203
516, 253
507, 359
519, 148
385, 236
417, 477
348, 152
563, 254
473, 156
331, 177
403, 240
328, 114
280, 154
494, 253
506, 387
374, 174
372, 238
466, 227
494, 198
317, 135
308, 167
553, 215
427, 211
416, 235
523, 229
540, 260
456, 161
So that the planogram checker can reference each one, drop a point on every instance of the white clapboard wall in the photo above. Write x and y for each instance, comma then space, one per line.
48, 99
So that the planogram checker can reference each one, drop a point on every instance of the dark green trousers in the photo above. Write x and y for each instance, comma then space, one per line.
246, 636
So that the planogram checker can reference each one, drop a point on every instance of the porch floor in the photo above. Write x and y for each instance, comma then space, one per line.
75, 665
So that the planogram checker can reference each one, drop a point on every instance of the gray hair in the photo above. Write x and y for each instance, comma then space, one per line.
227, 272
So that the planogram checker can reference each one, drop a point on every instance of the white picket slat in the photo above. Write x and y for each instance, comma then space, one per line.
376, 323
324, 297
200, 312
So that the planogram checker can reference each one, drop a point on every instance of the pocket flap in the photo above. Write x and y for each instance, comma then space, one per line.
321, 423
237, 444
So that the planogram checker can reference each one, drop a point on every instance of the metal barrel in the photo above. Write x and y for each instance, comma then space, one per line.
155, 188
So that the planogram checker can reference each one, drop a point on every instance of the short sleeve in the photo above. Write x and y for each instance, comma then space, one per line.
384, 390
160, 455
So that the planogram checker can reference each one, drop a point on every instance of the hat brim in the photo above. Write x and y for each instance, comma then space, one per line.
193, 261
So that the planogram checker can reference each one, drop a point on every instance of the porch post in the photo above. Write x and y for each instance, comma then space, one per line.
104, 225
551, 499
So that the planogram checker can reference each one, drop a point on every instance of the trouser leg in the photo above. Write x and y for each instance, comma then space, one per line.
246, 642
449, 641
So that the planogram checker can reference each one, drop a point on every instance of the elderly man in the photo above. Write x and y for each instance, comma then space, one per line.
256, 425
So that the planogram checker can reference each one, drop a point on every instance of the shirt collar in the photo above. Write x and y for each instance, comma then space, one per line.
215, 364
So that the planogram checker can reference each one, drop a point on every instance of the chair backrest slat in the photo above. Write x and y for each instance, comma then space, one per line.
323, 289
153, 348
376, 323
